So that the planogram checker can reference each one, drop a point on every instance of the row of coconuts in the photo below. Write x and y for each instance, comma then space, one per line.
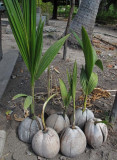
72, 142
59, 133
70, 136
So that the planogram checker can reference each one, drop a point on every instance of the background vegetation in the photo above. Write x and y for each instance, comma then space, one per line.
107, 16
104, 16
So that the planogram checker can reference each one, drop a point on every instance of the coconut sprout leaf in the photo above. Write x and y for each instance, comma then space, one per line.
27, 102
69, 97
92, 83
32, 30
63, 91
69, 77
18, 96
18, 27
83, 81
99, 64
43, 110
78, 39
49, 56
88, 53
74, 80
39, 46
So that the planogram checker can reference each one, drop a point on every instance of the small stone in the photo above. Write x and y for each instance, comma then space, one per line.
105, 105
39, 158
115, 67
62, 158
13, 76
8, 30
110, 55
28, 153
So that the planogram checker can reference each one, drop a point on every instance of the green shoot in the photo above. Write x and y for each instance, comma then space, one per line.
43, 111
27, 102
30, 40
66, 95
71, 93
74, 85
88, 78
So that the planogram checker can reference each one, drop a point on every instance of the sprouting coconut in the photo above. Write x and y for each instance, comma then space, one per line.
59, 121
82, 117
28, 128
73, 140
29, 39
46, 143
96, 132
88, 78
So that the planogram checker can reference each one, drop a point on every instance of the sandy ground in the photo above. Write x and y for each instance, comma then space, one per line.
20, 83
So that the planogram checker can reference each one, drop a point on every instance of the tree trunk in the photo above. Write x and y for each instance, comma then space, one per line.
85, 16
67, 27
80, 2
1, 54
113, 115
55, 10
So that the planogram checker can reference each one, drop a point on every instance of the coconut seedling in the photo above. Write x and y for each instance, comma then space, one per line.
59, 121
73, 140
96, 132
46, 143
28, 127
30, 43
88, 78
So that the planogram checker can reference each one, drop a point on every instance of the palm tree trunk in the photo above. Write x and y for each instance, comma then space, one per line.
113, 115
1, 54
85, 16
80, 2
67, 27
55, 9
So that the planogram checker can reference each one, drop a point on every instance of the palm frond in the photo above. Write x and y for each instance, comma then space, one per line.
18, 27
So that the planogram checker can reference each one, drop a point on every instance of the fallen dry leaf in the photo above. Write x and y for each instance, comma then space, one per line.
22, 71
95, 41
98, 52
26, 113
56, 70
110, 66
18, 119
111, 48
96, 94
8, 117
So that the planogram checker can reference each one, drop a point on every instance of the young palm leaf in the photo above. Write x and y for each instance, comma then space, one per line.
88, 79
30, 40
90, 55
66, 95
74, 85
63, 91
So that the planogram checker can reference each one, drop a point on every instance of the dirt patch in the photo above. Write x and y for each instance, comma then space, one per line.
20, 83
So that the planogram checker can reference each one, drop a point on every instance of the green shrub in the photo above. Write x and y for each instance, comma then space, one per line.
64, 11
45, 7
109, 16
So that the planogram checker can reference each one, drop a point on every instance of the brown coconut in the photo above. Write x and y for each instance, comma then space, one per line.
57, 122
96, 133
73, 142
28, 128
81, 117
46, 143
